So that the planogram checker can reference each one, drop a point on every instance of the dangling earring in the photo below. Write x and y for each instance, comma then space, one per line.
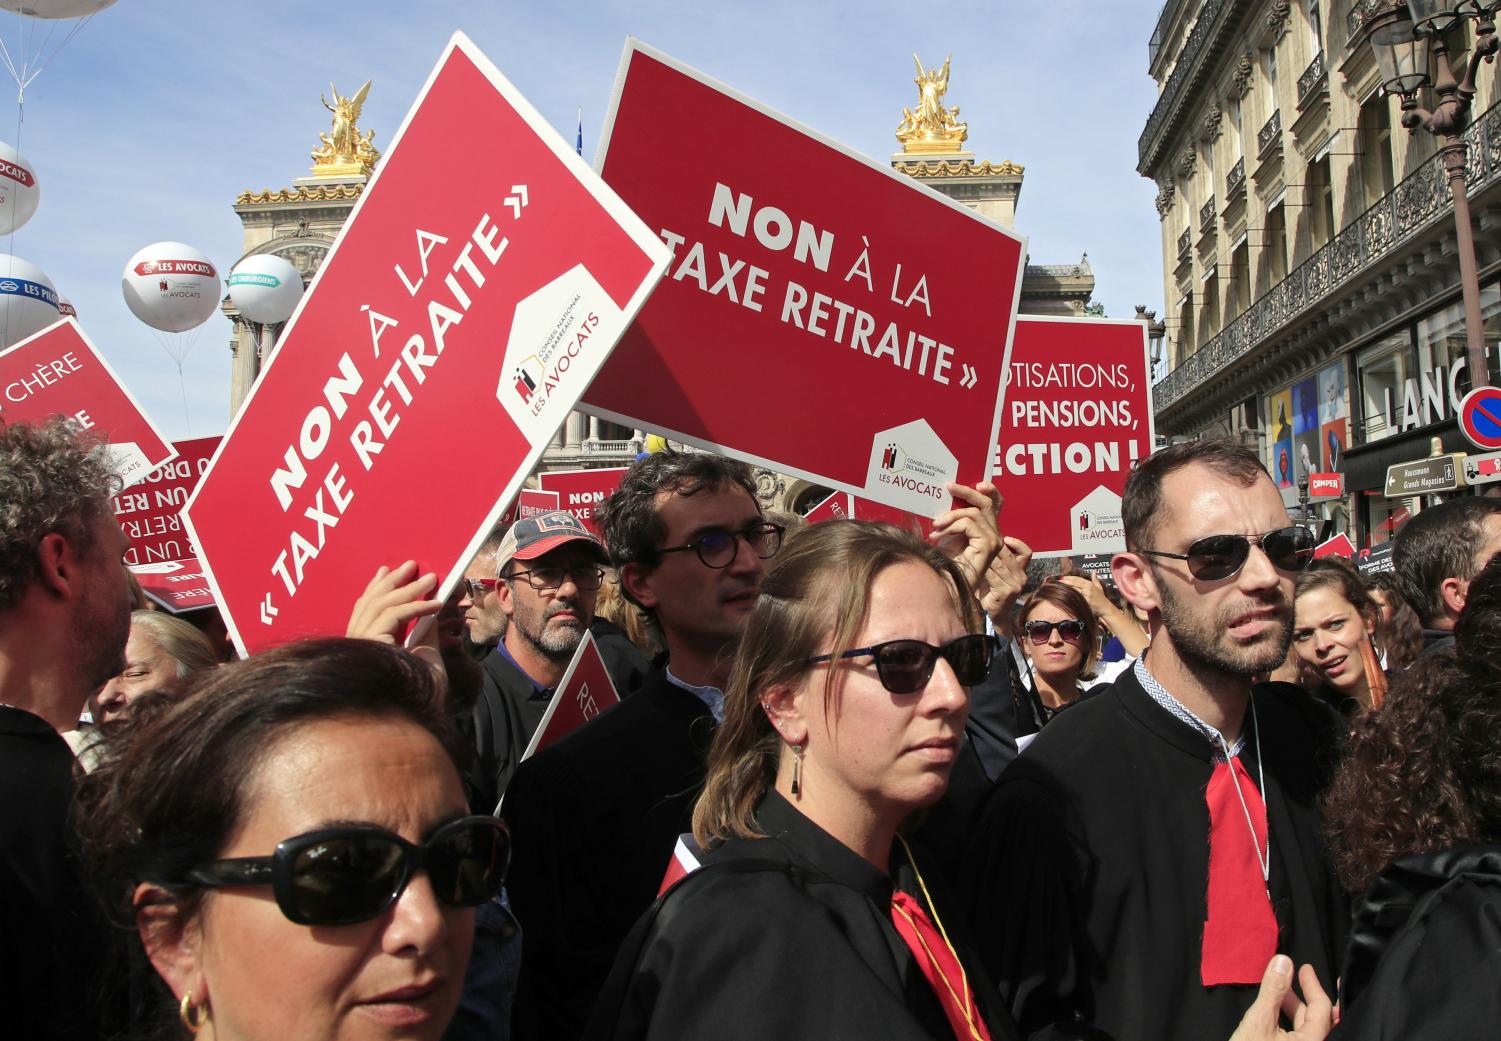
797, 770
193, 1016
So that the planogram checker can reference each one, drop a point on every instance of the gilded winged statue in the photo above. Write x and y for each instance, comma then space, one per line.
932, 122
344, 145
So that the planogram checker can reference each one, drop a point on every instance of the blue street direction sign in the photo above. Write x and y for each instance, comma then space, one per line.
1480, 418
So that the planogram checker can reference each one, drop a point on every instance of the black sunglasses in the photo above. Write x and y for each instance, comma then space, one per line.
1070, 629
340, 876
905, 666
1220, 556
717, 548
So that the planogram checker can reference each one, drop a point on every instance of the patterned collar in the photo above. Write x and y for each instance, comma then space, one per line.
1158, 693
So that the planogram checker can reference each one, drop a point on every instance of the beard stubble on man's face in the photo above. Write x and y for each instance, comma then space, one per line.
1199, 631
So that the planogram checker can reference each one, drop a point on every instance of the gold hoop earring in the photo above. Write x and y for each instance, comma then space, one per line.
797, 770
193, 1016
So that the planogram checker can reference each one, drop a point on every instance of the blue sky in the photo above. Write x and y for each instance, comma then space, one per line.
156, 115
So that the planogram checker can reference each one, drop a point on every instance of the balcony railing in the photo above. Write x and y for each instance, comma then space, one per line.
1311, 78
1177, 83
1270, 134
1235, 180
1184, 242
610, 447
1206, 215
1400, 215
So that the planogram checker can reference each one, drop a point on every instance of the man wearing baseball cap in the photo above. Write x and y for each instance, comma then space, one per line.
549, 568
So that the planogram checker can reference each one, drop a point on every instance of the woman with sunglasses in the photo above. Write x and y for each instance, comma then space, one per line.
291, 846
1334, 632
1061, 639
812, 917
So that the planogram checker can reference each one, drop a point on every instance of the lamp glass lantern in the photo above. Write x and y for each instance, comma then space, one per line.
1431, 17
1401, 54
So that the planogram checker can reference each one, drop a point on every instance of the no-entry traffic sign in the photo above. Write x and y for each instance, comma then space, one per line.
1480, 418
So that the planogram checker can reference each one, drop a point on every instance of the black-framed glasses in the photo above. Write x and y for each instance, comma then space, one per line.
478, 587
717, 548
586, 576
340, 876
1220, 556
1071, 630
905, 666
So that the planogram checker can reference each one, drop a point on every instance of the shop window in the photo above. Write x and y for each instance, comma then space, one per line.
1441, 338
1382, 371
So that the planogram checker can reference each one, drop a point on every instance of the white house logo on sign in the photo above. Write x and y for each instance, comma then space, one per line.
1097, 526
580, 321
913, 462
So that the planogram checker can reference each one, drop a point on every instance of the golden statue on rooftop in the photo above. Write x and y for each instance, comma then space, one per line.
345, 151
933, 129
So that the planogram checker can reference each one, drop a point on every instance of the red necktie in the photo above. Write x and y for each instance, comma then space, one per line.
1240, 932
940, 965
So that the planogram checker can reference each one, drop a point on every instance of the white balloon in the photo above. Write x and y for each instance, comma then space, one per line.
265, 288
55, 8
19, 192
28, 302
171, 286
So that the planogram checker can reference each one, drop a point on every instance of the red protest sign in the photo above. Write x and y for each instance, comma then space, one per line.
1339, 546
1078, 414
581, 491
532, 502
150, 512
584, 692
835, 507
804, 272
59, 372
177, 585
493, 297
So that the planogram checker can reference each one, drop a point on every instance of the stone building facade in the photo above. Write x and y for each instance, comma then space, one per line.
1309, 268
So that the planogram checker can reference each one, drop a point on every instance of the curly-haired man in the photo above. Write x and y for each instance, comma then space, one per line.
64, 619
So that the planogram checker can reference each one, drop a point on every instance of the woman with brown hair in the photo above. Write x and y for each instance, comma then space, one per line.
1334, 636
1414, 823
812, 917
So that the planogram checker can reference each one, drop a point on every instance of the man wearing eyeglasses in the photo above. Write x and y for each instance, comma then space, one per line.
548, 572
595, 816
1140, 864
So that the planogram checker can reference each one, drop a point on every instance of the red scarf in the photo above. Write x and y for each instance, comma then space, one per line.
1240, 932
940, 965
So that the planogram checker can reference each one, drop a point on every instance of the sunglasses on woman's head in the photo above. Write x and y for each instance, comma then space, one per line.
1221, 556
1039, 632
905, 666
340, 876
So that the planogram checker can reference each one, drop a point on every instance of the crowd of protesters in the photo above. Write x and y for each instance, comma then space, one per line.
911, 784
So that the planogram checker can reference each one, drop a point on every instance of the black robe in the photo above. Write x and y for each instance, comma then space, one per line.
1425, 950
783, 937
1087, 869
593, 822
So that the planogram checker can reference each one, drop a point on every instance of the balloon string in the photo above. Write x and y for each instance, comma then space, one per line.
183, 383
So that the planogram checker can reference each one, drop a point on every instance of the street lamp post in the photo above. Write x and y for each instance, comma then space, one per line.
1404, 41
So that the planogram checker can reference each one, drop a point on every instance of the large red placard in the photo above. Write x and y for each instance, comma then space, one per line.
1078, 414
822, 315
490, 299
59, 372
